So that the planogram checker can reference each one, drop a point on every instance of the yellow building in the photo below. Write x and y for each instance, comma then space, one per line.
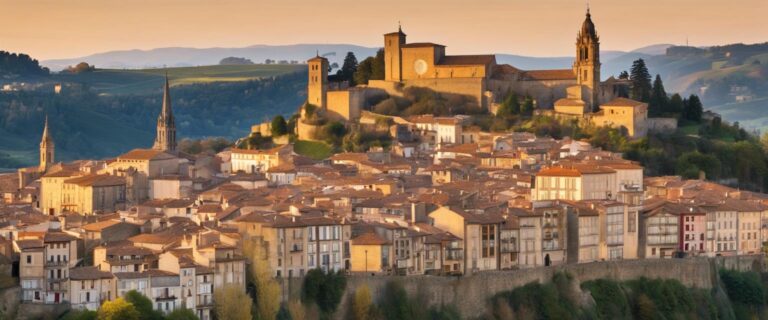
138, 166
623, 113
73, 191
251, 161
370, 253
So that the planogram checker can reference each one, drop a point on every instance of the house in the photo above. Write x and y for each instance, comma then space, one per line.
89, 287
480, 234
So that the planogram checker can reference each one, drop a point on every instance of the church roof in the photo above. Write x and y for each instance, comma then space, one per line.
317, 58
96, 180
483, 59
145, 154
622, 102
565, 102
422, 45
555, 74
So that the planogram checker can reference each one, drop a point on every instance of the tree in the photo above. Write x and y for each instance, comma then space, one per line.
334, 132
296, 310
235, 61
528, 107
267, 289
395, 303
80, 68
641, 81
509, 107
118, 309
371, 68
80, 315
232, 303
361, 306
659, 101
143, 305
324, 289
624, 75
182, 314
675, 105
692, 109
348, 69
279, 126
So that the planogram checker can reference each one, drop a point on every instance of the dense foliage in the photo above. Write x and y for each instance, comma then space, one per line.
371, 68
324, 289
418, 101
235, 61
19, 64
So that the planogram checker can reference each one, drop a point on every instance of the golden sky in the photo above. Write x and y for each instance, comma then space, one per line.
49, 29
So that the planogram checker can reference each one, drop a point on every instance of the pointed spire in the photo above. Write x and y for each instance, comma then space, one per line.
45, 128
399, 26
167, 112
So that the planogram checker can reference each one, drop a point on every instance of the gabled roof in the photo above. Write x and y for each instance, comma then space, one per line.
145, 154
622, 102
485, 59
369, 239
88, 273
561, 74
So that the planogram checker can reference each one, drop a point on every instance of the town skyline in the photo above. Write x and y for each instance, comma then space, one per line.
108, 26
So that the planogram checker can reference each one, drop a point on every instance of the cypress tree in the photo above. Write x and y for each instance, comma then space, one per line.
676, 104
659, 99
693, 109
641, 81
348, 69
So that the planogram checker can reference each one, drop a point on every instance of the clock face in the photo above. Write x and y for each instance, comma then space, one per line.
420, 66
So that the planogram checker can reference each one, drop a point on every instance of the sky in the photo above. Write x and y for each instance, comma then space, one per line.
48, 29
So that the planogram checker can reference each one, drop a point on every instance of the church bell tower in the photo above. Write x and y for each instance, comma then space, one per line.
587, 63
46, 149
166, 126
393, 65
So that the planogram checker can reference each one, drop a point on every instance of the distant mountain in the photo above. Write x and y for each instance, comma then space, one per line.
184, 57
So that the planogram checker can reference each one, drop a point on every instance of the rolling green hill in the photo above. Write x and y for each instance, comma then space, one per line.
137, 81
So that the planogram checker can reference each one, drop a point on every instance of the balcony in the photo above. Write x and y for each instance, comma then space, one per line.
52, 263
296, 248
57, 280
508, 247
454, 254
165, 297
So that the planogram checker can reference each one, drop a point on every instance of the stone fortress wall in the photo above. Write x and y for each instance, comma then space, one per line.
470, 294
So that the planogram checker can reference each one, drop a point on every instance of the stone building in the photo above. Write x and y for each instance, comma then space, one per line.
480, 77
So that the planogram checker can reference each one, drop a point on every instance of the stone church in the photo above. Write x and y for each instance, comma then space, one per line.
426, 65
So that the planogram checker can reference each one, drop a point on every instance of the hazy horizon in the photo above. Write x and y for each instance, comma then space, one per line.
49, 29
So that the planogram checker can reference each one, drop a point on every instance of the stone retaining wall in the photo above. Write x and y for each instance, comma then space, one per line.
470, 294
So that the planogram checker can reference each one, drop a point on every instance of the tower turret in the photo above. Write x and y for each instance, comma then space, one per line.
317, 86
586, 66
165, 139
393, 66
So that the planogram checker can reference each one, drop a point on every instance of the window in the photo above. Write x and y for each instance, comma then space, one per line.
29, 258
